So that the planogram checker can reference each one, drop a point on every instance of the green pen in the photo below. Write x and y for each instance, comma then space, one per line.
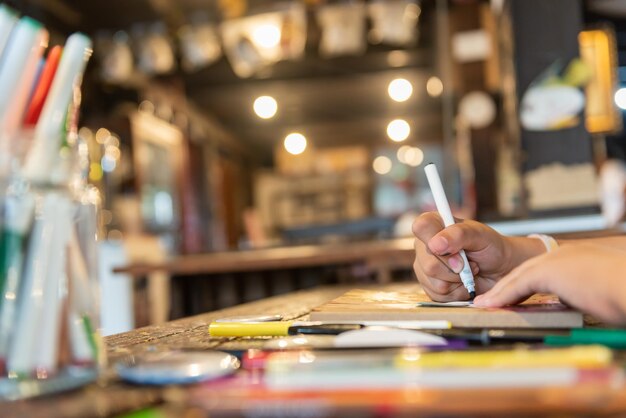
612, 338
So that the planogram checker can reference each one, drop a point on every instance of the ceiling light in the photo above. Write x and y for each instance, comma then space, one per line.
400, 89
295, 143
265, 107
398, 130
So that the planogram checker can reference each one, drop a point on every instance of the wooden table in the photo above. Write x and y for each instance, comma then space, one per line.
112, 397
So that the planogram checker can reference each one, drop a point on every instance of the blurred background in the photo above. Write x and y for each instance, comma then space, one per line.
249, 148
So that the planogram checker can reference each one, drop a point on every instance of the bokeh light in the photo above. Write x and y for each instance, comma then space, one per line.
400, 90
295, 143
620, 98
266, 36
382, 165
398, 130
265, 107
434, 87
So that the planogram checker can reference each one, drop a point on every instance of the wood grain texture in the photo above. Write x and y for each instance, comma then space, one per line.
111, 397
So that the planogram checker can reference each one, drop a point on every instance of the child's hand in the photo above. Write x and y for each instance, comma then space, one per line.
589, 277
491, 255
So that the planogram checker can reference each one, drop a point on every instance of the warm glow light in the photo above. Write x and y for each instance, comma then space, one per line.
620, 98
400, 89
398, 130
402, 153
266, 36
382, 165
265, 107
295, 143
102, 135
414, 156
397, 58
434, 86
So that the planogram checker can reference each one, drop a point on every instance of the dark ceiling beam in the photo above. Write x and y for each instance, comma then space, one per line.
60, 11
295, 119
424, 128
170, 11
312, 66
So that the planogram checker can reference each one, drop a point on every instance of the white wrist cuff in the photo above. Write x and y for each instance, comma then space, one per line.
548, 241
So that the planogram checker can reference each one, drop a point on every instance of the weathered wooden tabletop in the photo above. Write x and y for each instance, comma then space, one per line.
111, 397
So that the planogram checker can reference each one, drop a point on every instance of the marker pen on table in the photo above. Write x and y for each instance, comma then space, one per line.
284, 328
443, 207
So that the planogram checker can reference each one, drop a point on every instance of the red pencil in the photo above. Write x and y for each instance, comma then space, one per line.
43, 86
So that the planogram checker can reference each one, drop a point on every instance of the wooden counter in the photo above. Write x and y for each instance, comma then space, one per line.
211, 281
390, 251
301, 256
113, 397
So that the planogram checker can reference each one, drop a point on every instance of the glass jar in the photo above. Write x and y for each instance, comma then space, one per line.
49, 294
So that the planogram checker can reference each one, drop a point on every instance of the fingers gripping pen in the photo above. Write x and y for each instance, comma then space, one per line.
443, 207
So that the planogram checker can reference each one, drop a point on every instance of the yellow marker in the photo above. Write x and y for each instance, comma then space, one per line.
587, 356
284, 328
249, 329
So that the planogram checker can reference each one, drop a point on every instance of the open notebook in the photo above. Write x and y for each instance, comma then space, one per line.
540, 311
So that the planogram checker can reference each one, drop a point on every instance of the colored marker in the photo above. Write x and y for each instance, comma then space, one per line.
18, 70
44, 153
443, 207
84, 349
43, 86
49, 325
19, 212
587, 356
613, 338
36, 334
488, 336
281, 329
8, 18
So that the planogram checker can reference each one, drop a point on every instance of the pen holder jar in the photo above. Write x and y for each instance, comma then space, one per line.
49, 293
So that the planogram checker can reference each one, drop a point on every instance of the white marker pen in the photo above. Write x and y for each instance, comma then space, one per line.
443, 207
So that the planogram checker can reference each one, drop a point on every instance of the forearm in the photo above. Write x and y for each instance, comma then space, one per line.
524, 248
615, 242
